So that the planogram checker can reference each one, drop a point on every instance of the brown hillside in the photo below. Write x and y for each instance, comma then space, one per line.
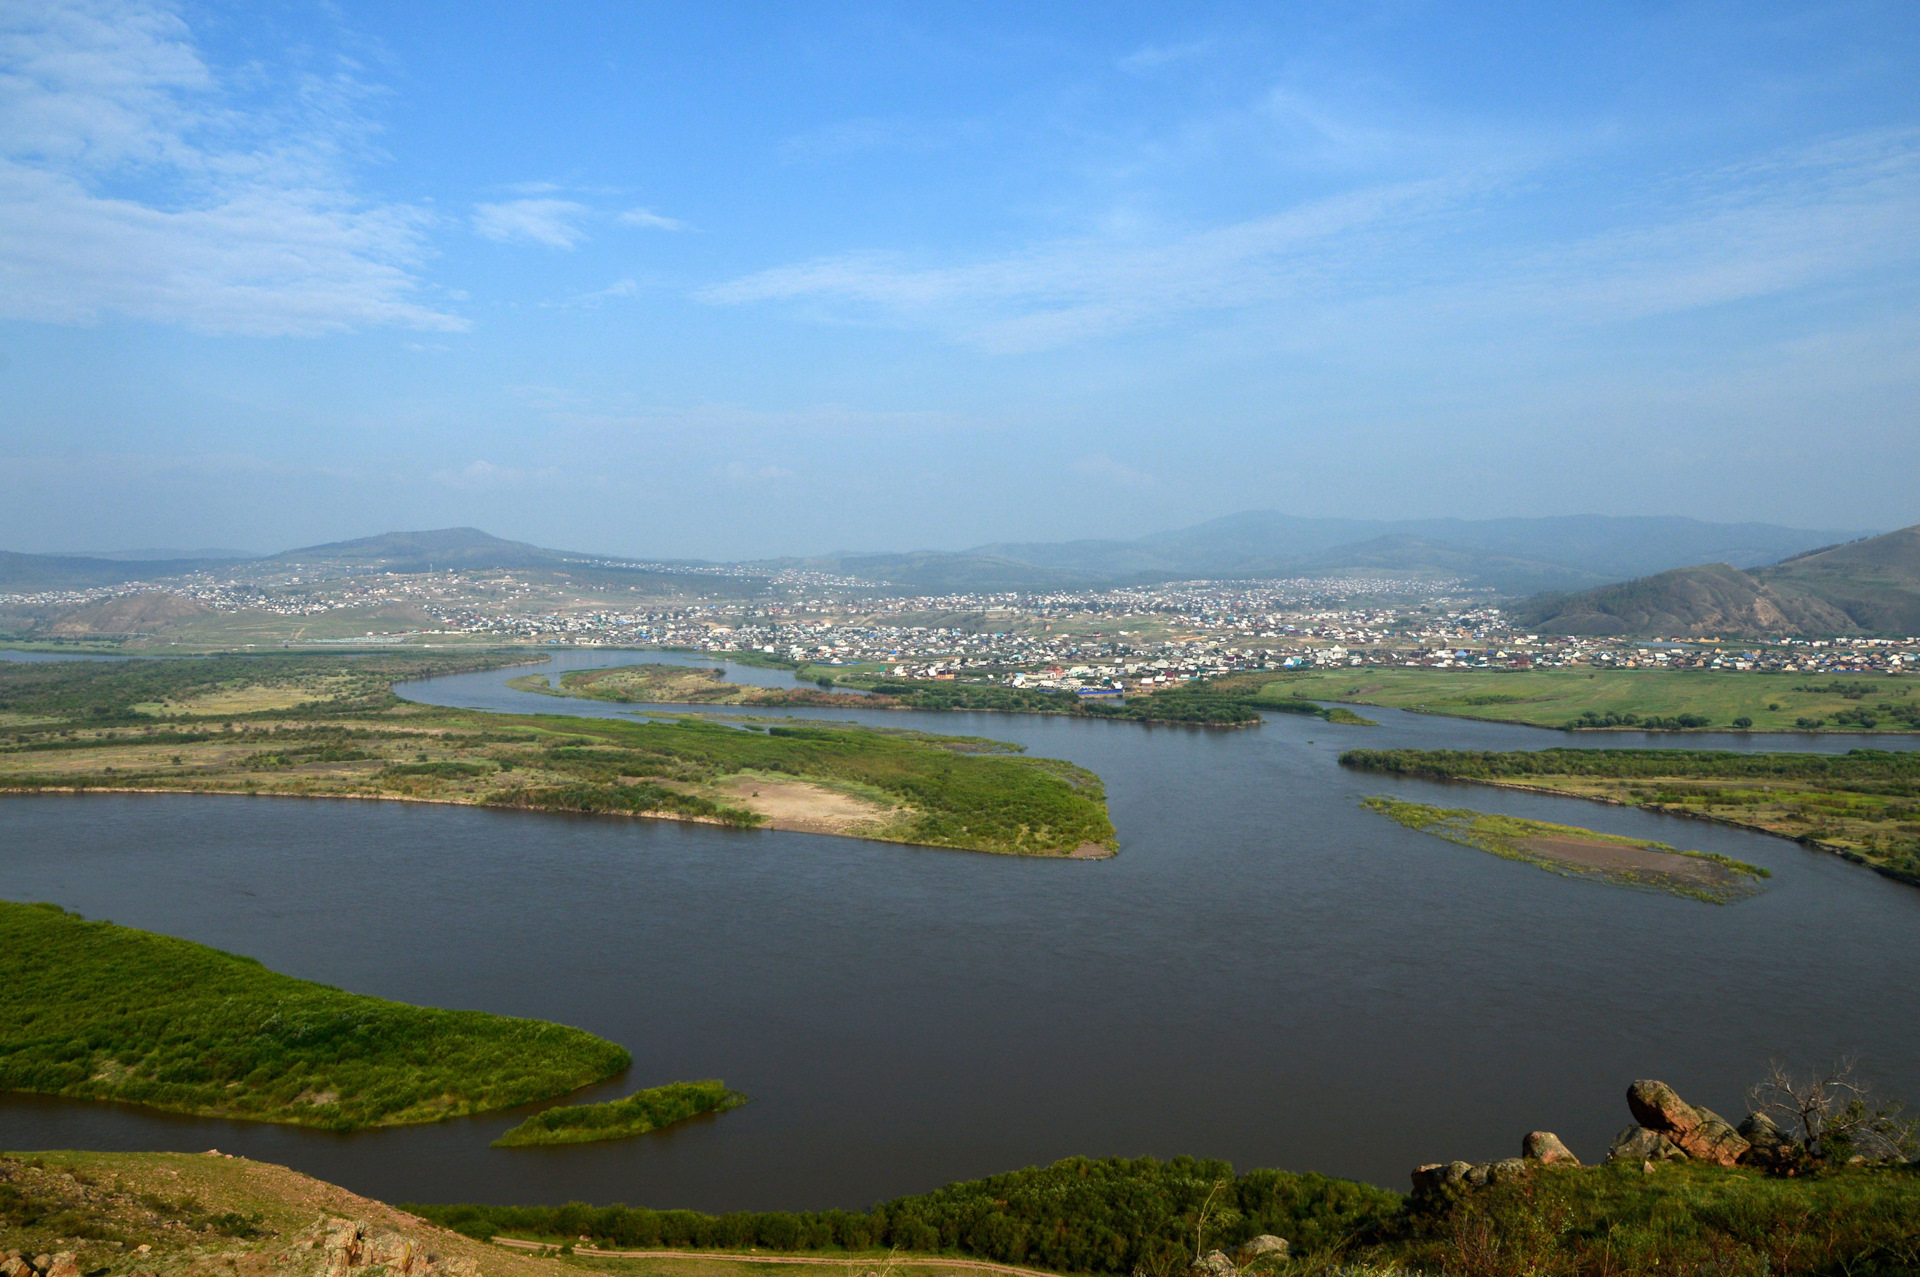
131, 614
1695, 602
1876, 582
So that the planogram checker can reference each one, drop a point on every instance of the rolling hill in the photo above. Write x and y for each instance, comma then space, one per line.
1870, 586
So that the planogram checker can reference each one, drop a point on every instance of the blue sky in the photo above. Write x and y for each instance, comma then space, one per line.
741, 280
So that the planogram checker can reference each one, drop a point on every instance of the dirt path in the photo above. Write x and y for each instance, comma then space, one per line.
844, 1261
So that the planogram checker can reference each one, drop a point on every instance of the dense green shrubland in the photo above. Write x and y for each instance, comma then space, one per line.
91, 1010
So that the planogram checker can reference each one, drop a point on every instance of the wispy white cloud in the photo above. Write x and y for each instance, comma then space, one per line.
646, 217
1153, 56
555, 223
132, 183
1796, 219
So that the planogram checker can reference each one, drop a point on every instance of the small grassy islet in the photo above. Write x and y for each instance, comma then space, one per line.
1582, 853
636, 1114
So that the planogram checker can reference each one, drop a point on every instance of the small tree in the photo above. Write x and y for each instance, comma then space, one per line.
1830, 1111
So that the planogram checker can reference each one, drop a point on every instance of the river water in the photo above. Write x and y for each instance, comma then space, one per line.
1266, 973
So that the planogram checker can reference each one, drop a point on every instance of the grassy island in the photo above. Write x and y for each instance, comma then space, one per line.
95, 1011
1863, 805
1583, 853
643, 1111
329, 726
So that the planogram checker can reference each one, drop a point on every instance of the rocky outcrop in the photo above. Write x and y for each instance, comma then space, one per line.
1261, 1247
354, 1248
1638, 1144
1545, 1147
1700, 1133
1769, 1147
15, 1264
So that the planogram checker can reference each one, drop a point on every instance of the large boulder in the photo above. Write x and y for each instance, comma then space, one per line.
1545, 1148
1768, 1146
1700, 1133
1638, 1144
1259, 1248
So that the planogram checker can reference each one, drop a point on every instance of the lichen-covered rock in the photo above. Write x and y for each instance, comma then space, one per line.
1212, 1264
63, 1265
1638, 1144
1768, 1147
1259, 1248
1699, 1133
1507, 1169
1545, 1147
1436, 1174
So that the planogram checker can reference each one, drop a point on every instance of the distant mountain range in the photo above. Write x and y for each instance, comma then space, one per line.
1758, 578
1512, 556
1870, 586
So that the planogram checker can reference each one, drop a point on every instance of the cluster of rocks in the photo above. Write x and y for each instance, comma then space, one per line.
351, 1248
1218, 1263
1666, 1128
16, 1264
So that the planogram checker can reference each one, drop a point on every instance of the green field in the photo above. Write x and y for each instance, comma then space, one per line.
1863, 804
1564, 698
95, 1011
1706, 876
636, 1114
327, 726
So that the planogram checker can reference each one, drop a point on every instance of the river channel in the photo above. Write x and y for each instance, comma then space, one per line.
1266, 972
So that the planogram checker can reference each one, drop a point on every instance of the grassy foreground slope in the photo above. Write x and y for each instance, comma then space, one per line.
321, 726
1148, 1217
1605, 698
1863, 804
91, 1010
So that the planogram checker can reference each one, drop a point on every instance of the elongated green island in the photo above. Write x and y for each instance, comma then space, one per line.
1583, 853
90, 1010
643, 1111
326, 726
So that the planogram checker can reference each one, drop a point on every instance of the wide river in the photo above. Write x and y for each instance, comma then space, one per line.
1266, 973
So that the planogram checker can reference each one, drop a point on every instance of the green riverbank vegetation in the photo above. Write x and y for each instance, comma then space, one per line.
1863, 804
94, 1011
643, 1111
1582, 853
323, 726
1630, 700
1147, 1217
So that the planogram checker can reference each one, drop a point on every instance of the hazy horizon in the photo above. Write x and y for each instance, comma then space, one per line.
739, 283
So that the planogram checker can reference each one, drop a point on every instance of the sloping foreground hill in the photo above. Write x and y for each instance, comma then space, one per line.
208, 1213
1870, 586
